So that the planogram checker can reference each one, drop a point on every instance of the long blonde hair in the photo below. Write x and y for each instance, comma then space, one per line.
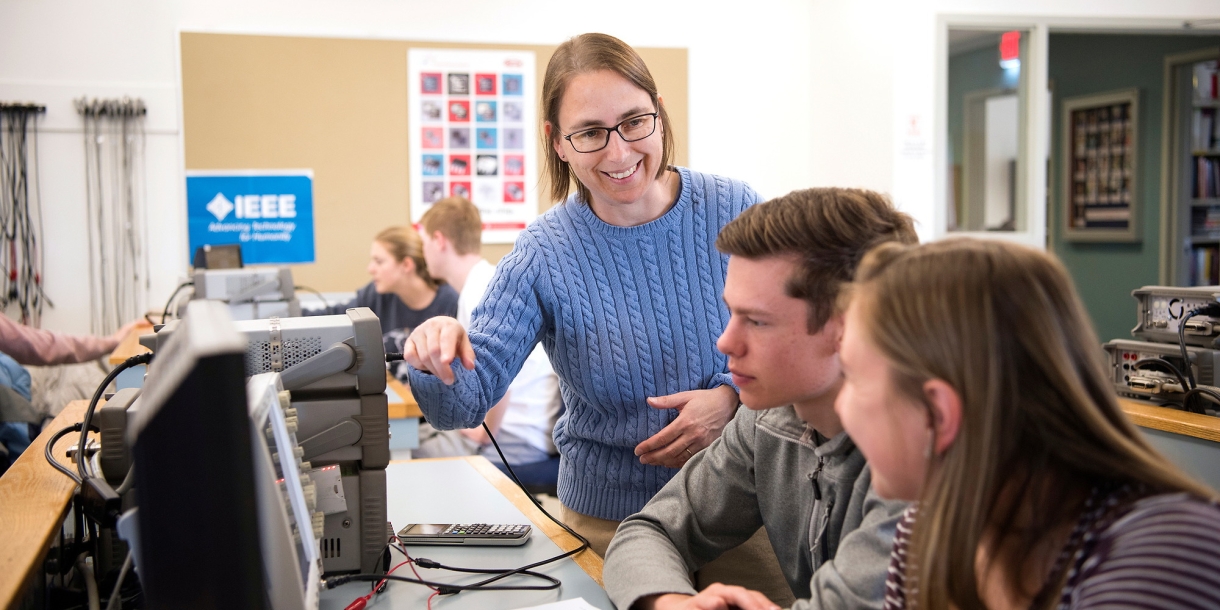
404, 242
1004, 327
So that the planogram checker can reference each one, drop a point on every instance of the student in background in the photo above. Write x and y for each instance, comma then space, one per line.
974, 384
23, 345
37, 347
522, 422
402, 294
784, 461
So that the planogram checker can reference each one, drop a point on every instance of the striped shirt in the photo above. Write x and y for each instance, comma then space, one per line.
1158, 552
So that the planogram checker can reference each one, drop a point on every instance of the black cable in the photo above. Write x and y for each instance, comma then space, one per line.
138, 359
51, 457
1190, 374
172, 296
1212, 309
320, 297
393, 357
20, 240
444, 589
1141, 364
584, 543
1207, 392
482, 585
424, 562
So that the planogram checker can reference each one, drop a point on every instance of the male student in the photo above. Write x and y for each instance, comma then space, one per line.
522, 422
784, 462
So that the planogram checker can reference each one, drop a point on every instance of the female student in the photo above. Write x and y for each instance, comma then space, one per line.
974, 384
621, 284
402, 294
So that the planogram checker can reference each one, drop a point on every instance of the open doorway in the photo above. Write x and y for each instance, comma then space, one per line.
987, 93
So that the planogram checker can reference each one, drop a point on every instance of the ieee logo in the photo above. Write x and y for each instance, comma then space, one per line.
254, 206
220, 206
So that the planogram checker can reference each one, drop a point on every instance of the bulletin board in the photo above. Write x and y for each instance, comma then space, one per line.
338, 107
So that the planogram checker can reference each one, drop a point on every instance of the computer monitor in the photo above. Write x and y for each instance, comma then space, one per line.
194, 471
215, 528
227, 256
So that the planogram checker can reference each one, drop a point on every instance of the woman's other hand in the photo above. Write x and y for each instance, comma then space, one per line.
702, 416
433, 345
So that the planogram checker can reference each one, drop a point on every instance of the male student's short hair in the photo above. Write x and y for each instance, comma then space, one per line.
827, 231
458, 220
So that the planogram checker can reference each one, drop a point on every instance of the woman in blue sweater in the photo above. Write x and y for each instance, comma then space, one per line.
621, 283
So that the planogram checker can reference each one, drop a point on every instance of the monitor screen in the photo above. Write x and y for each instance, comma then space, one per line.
194, 472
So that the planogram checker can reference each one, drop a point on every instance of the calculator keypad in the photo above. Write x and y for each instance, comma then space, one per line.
485, 530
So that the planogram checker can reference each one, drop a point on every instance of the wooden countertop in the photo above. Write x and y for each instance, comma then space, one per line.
1165, 419
33, 502
130, 345
406, 407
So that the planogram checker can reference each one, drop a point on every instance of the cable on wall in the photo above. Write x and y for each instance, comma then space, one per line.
117, 216
21, 212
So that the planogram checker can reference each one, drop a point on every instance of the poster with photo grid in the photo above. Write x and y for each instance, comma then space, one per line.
473, 132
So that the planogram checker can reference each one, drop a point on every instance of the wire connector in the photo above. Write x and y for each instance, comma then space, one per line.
100, 502
335, 581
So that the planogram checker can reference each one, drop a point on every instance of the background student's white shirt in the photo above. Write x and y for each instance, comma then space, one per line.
534, 394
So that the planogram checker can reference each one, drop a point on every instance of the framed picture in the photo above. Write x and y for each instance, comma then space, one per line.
1100, 152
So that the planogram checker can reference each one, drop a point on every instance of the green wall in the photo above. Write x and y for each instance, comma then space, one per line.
1082, 64
976, 70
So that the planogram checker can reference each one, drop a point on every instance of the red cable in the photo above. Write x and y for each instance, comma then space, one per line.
430, 599
360, 602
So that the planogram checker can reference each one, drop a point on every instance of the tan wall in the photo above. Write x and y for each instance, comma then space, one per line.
339, 107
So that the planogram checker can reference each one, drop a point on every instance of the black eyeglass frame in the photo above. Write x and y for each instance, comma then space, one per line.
656, 116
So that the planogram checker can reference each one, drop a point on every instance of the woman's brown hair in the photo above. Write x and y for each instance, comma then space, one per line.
404, 242
578, 55
1040, 421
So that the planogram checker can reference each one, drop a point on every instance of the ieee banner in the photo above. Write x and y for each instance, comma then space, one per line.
269, 213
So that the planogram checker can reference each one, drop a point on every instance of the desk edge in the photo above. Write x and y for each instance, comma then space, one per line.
21, 557
1172, 420
586, 559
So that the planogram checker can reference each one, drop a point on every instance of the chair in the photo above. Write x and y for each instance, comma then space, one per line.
538, 477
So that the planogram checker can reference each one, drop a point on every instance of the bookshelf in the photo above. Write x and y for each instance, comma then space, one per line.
1191, 187
1204, 167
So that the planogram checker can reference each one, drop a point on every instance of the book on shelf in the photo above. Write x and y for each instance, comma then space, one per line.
1205, 222
1207, 178
1207, 85
1203, 130
1204, 268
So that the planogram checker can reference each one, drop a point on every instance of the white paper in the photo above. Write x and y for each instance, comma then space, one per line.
568, 604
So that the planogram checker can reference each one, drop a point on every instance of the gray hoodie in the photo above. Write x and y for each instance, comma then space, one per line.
831, 533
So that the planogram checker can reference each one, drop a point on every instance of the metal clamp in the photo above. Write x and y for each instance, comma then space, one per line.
276, 344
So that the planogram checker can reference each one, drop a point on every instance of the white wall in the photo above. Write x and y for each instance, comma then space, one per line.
1002, 119
784, 93
750, 70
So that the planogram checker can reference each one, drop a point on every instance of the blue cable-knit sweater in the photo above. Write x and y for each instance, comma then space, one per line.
624, 313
